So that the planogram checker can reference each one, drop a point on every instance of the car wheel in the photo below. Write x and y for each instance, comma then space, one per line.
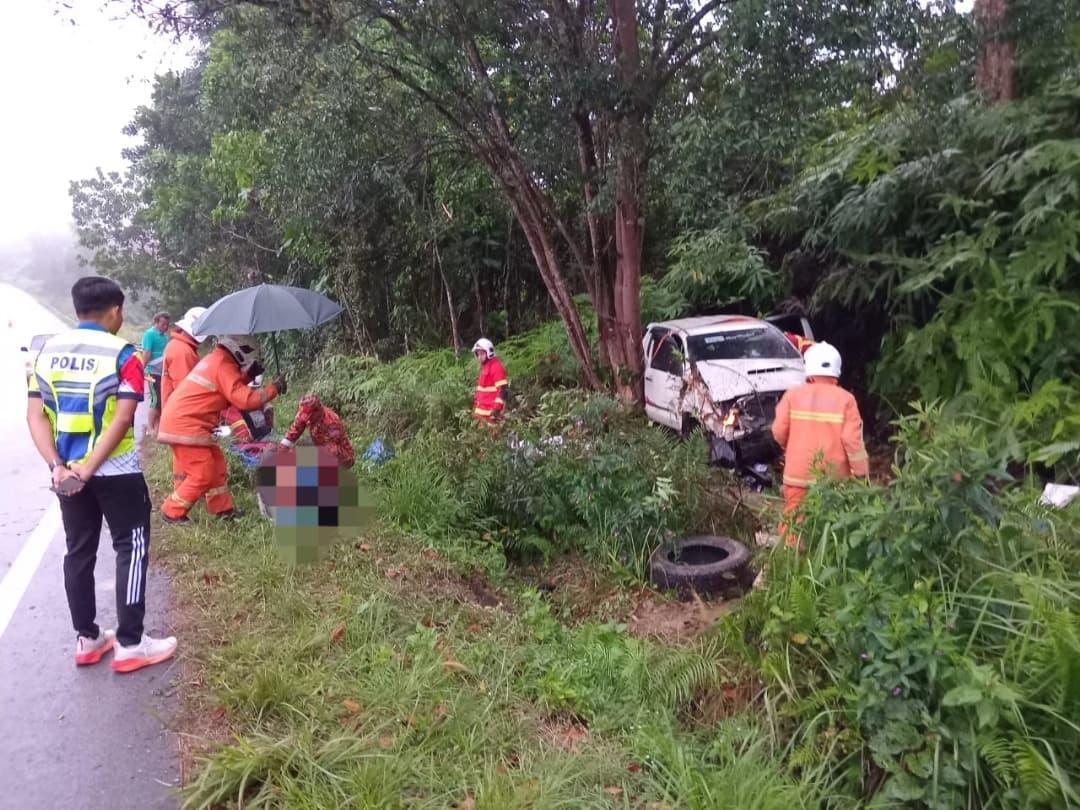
705, 564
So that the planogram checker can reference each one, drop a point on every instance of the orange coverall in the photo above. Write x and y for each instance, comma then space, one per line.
187, 422
820, 429
181, 355
488, 402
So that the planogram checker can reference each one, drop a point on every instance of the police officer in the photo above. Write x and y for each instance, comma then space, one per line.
84, 390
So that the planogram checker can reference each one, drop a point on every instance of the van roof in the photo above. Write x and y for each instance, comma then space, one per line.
706, 324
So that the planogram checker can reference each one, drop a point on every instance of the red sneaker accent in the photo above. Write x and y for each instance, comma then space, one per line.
132, 664
95, 655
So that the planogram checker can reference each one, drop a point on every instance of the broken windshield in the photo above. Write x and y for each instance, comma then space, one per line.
742, 344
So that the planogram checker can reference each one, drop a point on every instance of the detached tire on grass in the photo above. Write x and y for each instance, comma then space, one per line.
705, 564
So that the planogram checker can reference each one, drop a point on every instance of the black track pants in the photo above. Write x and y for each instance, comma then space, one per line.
124, 502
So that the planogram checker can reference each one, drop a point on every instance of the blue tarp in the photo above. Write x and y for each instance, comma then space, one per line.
378, 452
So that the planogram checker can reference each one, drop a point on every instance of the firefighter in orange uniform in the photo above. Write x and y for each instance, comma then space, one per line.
181, 353
490, 400
820, 429
194, 411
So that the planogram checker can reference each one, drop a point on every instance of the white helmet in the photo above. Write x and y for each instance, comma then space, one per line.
245, 351
822, 360
484, 345
187, 323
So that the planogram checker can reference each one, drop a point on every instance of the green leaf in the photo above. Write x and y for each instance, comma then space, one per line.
965, 695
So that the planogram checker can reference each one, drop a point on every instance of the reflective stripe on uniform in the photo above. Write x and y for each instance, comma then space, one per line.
792, 481
481, 412
487, 389
199, 379
217, 491
501, 383
186, 504
179, 438
818, 416
79, 391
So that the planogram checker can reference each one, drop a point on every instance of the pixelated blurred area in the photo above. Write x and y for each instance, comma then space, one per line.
313, 501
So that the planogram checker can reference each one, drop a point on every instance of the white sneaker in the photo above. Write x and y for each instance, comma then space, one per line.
146, 653
91, 650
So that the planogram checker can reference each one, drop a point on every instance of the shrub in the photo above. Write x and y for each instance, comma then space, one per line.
927, 647
434, 388
580, 474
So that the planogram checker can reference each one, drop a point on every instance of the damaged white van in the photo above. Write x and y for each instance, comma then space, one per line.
723, 372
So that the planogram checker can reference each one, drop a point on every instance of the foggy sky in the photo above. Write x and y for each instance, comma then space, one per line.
66, 93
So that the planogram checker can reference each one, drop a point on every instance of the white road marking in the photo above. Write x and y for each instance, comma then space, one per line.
17, 579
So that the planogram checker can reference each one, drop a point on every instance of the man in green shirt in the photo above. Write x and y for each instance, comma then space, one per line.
153, 349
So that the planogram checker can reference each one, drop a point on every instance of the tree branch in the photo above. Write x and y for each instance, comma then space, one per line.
686, 30
658, 26
665, 77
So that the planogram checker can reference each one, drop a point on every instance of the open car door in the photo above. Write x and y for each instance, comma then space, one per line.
664, 369
795, 324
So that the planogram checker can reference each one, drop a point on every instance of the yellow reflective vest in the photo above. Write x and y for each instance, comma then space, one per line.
77, 374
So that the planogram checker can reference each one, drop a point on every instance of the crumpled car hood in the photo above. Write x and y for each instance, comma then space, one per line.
729, 379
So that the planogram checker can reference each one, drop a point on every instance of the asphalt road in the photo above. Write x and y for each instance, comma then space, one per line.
70, 737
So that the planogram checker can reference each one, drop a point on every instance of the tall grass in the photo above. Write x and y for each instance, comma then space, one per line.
344, 687
926, 648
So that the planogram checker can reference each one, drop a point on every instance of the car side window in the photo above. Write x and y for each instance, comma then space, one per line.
667, 353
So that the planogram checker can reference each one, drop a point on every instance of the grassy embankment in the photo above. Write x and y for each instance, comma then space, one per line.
490, 643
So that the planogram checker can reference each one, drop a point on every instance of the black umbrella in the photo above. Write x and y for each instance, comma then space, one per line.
266, 308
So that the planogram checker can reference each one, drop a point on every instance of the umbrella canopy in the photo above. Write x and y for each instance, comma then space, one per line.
266, 308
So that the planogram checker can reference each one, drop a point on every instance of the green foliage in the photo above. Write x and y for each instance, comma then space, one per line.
567, 470
737, 770
434, 388
926, 648
963, 226
342, 686
716, 268
603, 676
576, 475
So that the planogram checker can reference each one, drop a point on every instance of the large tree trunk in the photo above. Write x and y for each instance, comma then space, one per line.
995, 73
631, 165
530, 209
543, 249
629, 238
600, 275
